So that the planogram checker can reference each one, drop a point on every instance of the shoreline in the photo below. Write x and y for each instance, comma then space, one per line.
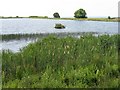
81, 19
7, 37
90, 19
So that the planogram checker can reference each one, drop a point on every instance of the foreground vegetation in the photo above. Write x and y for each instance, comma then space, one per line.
0, 71
52, 62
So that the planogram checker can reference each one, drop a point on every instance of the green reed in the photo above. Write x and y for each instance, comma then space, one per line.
7, 37
52, 62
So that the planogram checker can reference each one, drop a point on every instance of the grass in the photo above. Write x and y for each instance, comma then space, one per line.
38, 17
52, 62
0, 71
91, 19
84, 19
24, 17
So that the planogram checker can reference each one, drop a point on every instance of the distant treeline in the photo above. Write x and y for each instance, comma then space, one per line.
11, 17
25, 17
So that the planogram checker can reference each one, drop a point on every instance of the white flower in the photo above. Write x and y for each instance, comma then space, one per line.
68, 52
53, 54
67, 46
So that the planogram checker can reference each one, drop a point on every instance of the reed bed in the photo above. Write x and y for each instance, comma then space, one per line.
7, 37
52, 62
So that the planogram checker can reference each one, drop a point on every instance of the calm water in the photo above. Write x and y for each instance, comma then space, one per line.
30, 26
15, 26
14, 45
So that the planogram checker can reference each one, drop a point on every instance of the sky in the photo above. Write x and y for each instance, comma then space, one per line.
66, 8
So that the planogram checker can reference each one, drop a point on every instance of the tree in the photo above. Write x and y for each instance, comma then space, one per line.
109, 17
17, 16
56, 15
81, 13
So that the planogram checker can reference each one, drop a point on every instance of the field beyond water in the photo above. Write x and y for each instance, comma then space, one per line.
54, 62
116, 19
92, 19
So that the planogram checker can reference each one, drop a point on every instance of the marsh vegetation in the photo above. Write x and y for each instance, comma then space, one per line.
68, 62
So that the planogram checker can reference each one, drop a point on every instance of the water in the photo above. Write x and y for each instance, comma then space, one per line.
15, 26
14, 45
30, 26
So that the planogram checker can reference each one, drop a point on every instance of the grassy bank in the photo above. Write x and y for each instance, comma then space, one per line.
87, 19
84, 19
86, 62
90, 19
34, 17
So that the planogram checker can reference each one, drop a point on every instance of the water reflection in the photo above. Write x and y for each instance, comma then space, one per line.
15, 45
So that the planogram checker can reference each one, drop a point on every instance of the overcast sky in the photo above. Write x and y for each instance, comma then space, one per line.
66, 8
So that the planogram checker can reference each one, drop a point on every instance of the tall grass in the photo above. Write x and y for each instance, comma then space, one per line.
52, 62
0, 71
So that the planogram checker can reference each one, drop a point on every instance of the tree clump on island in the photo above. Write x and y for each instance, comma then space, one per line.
17, 16
56, 15
81, 13
59, 26
109, 17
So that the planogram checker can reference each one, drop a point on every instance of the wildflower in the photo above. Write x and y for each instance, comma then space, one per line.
68, 52
53, 54
67, 46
